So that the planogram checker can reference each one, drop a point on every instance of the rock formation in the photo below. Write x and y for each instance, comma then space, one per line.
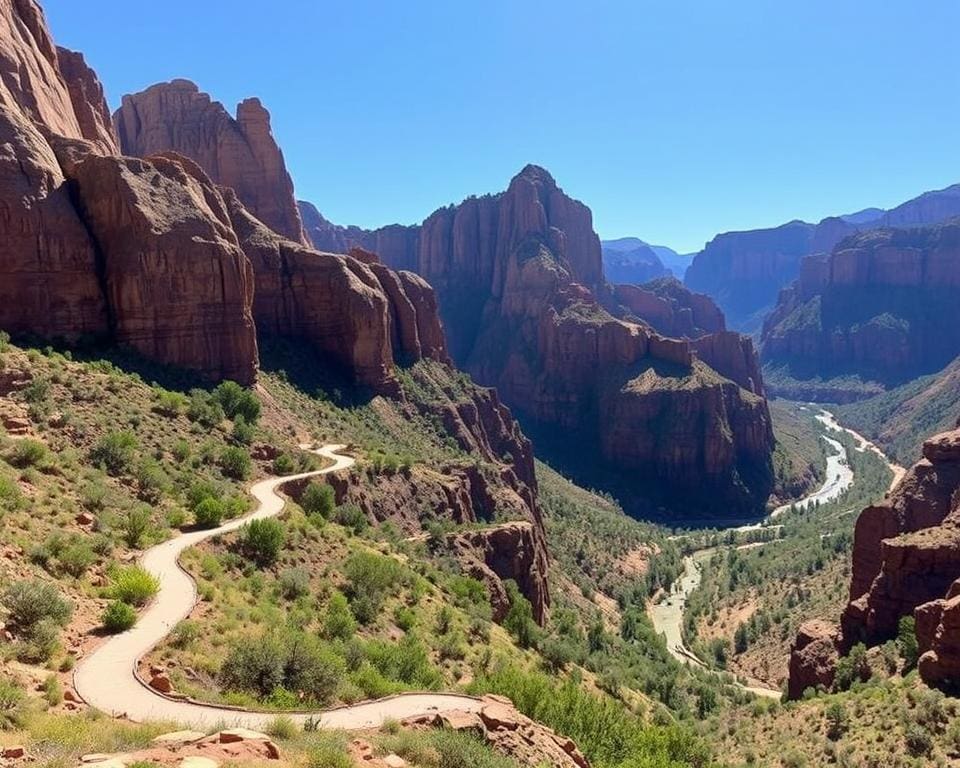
89, 103
360, 315
813, 658
906, 562
239, 153
178, 287
521, 289
632, 266
509, 732
882, 306
670, 308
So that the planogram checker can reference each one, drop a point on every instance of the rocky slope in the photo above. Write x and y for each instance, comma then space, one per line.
239, 152
520, 282
744, 271
880, 307
906, 562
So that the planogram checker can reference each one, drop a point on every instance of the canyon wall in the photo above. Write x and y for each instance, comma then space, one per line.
881, 306
906, 562
520, 283
239, 152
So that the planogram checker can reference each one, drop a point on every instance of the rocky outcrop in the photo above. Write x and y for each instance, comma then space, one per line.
178, 287
239, 152
938, 639
509, 732
813, 658
733, 356
516, 551
520, 284
670, 308
881, 306
48, 263
362, 316
89, 102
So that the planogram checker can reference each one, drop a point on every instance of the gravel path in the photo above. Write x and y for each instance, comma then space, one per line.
107, 681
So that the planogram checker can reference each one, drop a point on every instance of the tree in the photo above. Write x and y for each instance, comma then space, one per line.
907, 641
235, 462
115, 452
338, 622
837, 721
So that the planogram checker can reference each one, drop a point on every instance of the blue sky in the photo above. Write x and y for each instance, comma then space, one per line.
672, 120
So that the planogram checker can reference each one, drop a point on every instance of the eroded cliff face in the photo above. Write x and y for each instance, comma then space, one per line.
670, 308
237, 152
520, 284
882, 305
906, 562
358, 314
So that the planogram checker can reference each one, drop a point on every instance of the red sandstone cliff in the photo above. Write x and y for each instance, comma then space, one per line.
881, 305
239, 153
670, 308
520, 284
359, 314
906, 561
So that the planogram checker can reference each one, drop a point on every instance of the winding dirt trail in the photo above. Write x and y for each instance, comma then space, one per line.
107, 679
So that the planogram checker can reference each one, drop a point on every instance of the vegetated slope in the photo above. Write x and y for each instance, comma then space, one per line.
900, 419
388, 570
798, 459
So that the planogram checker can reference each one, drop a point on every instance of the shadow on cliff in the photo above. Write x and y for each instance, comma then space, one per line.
296, 362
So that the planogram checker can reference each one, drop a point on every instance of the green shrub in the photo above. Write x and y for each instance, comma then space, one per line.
519, 619
52, 690
184, 633
318, 498
181, 451
133, 585
262, 540
292, 660
10, 497
76, 558
370, 579
30, 602
170, 404
119, 617
242, 432
352, 517
338, 622
152, 481
907, 641
114, 452
235, 462
40, 644
28, 453
284, 464
918, 740
237, 401
13, 702
208, 513
294, 583
204, 409
135, 523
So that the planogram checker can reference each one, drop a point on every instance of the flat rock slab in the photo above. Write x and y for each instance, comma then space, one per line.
179, 737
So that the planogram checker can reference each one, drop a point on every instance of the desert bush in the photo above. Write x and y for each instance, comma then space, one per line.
204, 409
262, 540
29, 602
119, 617
242, 432
338, 622
114, 452
352, 517
237, 401
13, 703
318, 498
152, 481
135, 523
294, 583
133, 585
184, 633
370, 579
170, 404
519, 619
209, 512
28, 453
235, 462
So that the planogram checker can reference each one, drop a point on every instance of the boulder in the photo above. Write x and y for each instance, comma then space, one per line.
813, 658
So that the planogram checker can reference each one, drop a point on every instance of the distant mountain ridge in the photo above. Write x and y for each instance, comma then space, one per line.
744, 271
621, 253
